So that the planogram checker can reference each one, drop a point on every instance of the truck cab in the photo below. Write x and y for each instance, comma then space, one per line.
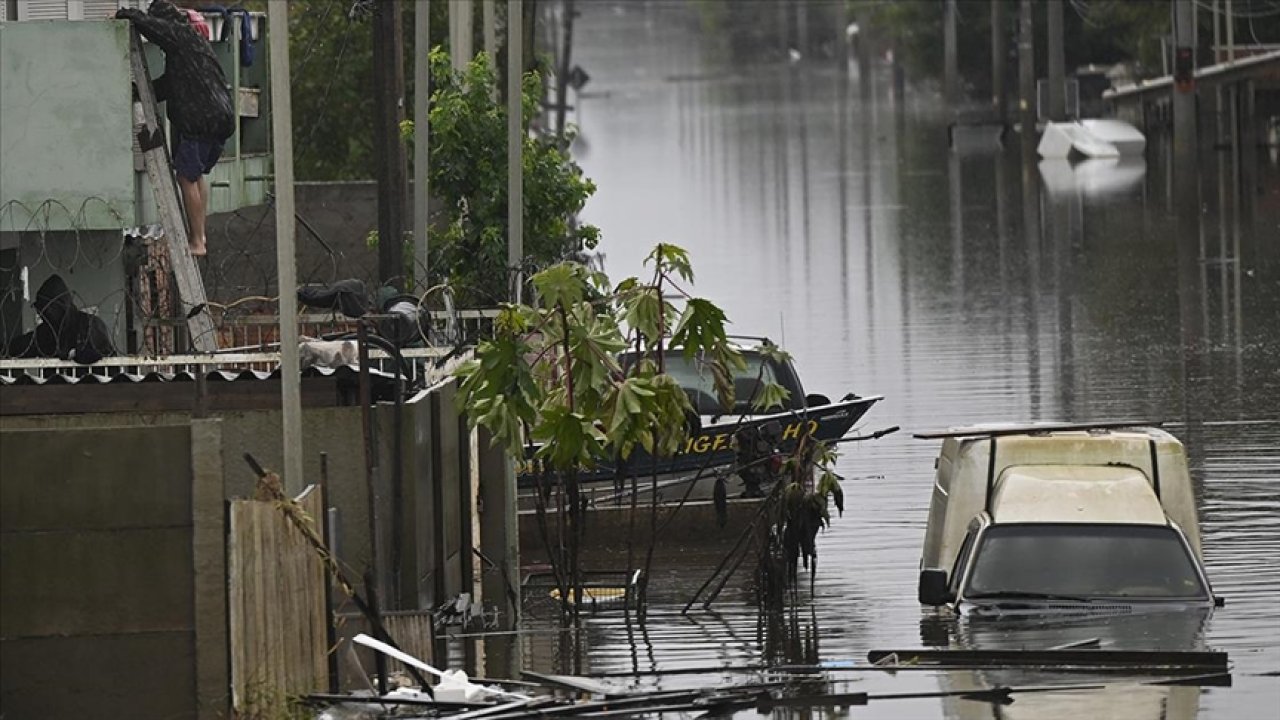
1058, 518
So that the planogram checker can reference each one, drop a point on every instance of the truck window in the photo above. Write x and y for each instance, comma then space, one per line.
962, 559
1086, 560
696, 378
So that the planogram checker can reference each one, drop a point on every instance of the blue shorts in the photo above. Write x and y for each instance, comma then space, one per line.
193, 158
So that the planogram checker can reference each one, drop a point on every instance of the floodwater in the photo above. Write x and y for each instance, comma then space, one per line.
964, 290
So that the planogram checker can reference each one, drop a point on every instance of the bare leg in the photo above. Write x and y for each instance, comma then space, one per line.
193, 197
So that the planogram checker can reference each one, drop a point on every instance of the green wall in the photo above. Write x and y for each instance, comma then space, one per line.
65, 126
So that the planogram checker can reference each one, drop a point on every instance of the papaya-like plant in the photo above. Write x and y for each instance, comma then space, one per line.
549, 385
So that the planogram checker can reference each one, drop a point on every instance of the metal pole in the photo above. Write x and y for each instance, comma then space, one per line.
286, 258
1057, 59
950, 81
390, 163
460, 43
490, 34
1026, 73
1184, 103
1217, 44
562, 71
421, 145
515, 146
1231, 32
998, 60
864, 52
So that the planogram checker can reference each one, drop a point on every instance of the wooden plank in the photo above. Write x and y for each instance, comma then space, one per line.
159, 171
235, 600
1129, 659
316, 579
279, 618
577, 684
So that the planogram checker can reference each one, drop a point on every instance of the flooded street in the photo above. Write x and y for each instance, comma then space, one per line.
965, 290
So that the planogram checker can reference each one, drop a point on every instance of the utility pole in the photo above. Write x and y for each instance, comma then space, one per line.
562, 81
461, 46
999, 57
1026, 75
950, 78
1184, 102
286, 259
421, 144
390, 164
1057, 59
515, 147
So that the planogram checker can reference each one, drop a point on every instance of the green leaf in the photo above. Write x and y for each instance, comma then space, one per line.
669, 258
701, 327
559, 284
770, 396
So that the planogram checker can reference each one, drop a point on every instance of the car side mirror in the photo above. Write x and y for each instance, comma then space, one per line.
816, 400
1219, 601
933, 587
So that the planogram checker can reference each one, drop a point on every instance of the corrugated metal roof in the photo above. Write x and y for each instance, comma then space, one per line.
93, 378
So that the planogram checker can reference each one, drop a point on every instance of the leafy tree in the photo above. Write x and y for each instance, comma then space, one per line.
469, 174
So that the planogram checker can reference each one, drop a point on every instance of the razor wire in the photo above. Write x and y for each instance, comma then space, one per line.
121, 278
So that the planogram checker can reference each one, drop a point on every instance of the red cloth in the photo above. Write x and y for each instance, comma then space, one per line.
199, 23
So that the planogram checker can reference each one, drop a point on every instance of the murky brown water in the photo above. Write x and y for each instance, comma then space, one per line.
964, 292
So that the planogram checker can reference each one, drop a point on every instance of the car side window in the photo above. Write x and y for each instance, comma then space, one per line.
962, 559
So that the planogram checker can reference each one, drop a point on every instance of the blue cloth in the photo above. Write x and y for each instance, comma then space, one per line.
229, 15
194, 157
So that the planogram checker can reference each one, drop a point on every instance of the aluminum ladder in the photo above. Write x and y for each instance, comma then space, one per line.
155, 156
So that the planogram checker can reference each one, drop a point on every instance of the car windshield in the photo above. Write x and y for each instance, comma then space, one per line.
1084, 561
696, 378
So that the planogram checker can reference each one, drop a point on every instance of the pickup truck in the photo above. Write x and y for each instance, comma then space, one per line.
1062, 518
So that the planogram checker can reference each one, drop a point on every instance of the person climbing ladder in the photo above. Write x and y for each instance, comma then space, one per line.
198, 101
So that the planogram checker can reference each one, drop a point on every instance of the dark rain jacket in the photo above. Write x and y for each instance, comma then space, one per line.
65, 332
199, 104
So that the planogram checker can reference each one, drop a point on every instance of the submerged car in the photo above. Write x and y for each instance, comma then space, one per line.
1062, 518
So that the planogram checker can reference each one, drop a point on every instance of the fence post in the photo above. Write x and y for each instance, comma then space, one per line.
208, 550
500, 548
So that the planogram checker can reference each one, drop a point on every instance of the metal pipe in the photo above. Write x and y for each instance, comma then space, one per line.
515, 147
1057, 60
1155, 467
421, 145
991, 474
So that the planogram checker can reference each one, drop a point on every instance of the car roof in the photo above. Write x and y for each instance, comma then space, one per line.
1076, 493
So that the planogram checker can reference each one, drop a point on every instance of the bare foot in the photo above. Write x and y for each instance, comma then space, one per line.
198, 248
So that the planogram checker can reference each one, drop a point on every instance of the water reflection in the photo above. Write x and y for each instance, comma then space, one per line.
1093, 178
965, 287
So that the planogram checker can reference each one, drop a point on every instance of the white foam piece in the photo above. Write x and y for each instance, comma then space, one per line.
1062, 140
1126, 138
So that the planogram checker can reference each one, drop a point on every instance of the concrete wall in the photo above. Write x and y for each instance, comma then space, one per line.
114, 528
66, 95
336, 431
97, 573
432, 479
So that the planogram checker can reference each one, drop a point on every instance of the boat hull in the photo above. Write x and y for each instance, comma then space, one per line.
712, 448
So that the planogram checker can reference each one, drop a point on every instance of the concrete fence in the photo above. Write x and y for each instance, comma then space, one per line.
134, 582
